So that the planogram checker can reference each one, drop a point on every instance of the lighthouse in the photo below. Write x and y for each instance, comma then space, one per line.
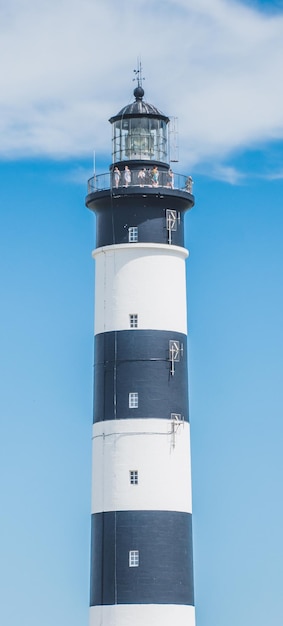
141, 522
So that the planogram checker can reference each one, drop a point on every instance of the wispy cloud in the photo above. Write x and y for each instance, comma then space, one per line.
275, 176
226, 173
67, 67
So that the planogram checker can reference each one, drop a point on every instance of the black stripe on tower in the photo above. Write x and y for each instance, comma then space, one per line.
163, 540
115, 215
138, 361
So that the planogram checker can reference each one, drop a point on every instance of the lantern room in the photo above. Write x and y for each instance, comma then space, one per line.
140, 132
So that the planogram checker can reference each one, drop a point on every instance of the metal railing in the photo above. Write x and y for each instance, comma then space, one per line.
141, 177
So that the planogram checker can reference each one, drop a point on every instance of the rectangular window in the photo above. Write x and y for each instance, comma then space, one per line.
133, 234
133, 400
133, 320
134, 477
134, 558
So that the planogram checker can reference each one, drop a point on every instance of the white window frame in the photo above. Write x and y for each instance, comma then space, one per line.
133, 234
134, 477
133, 400
134, 558
133, 320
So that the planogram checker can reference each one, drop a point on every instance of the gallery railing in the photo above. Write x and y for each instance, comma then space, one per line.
140, 178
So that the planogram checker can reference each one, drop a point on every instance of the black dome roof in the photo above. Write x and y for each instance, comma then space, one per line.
139, 107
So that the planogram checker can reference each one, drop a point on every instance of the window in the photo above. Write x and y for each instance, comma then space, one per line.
134, 558
133, 400
134, 477
133, 320
133, 234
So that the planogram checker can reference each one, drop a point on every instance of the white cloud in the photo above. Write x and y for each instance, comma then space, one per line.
67, 67
226, 173
275, 176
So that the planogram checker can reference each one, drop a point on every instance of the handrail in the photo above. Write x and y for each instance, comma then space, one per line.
141, 177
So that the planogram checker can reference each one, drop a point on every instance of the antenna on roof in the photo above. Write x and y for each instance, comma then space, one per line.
138, 72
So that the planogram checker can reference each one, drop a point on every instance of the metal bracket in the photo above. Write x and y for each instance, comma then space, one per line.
174, 354
171, 222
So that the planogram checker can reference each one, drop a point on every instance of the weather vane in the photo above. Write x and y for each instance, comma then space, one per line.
138, 73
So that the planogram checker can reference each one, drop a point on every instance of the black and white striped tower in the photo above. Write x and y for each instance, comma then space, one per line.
141, 554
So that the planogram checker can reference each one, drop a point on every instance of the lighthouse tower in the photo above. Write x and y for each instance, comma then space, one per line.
141, 547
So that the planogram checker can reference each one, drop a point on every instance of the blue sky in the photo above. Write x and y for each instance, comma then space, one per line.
66, 68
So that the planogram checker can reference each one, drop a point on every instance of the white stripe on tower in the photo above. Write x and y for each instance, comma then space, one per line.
143, 279
158, 449
142, 615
